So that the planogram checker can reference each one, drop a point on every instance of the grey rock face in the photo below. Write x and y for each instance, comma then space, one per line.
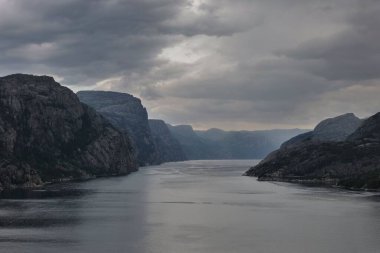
168, 147
128, 114
352, 163
333, 129
46, 134
336, 129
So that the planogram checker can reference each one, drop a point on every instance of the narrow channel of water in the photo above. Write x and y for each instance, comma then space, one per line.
194, 206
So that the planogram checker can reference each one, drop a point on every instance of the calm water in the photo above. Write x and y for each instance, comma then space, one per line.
196, 206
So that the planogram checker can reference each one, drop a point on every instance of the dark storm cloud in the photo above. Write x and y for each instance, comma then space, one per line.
226, 63
94, 38
313, 79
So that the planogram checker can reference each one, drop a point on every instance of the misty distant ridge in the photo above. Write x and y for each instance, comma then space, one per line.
156, 142
216, 143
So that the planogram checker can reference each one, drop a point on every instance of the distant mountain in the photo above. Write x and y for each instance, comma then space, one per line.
214, 134
218, 144
353, 162
195, 147
256, 144
46, 135
128, 114
168, 147
333, 129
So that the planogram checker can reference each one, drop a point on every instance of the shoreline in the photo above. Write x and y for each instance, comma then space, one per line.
330, 183
31, 186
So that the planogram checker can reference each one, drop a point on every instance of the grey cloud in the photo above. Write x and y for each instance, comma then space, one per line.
95, 39
353, 54
258, 63
314, 78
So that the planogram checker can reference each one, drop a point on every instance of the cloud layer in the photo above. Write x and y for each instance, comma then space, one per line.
211, 63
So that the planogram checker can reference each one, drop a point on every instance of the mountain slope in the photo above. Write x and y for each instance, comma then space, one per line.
46, 134
353, 163
128, 114
168, 147
332, 129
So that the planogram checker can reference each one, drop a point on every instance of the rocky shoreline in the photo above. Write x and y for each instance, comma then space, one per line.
314, 182
31, 187
352, 164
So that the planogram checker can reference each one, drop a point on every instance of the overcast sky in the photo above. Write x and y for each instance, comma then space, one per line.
232, 64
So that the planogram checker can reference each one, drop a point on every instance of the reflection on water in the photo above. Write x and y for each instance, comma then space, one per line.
195, 206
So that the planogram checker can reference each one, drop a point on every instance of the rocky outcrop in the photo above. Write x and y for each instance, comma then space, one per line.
352, 163
126, 113
333, 129
218, 144
336, 129
47, 134
168, 147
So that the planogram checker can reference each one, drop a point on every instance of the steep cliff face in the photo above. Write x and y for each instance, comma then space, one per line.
126, 113
168, 147
353, 163
46, 134
333, 129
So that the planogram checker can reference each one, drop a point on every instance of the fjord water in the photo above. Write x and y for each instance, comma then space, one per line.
194, 206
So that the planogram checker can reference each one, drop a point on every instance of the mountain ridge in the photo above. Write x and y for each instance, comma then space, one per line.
216, 143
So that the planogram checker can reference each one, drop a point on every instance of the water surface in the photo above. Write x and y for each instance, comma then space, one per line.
195, 206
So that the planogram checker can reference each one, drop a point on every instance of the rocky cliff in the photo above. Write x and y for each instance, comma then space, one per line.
168, 147
352, 163
332, 129
47, 134
128, 114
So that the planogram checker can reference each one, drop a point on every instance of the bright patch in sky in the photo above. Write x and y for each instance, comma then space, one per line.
181, 53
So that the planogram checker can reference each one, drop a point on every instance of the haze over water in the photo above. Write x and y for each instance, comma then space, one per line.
194, 206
